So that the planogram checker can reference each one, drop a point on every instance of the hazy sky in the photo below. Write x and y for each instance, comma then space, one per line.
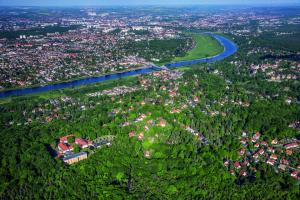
138, 2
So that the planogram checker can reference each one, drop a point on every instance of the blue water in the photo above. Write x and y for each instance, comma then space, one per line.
229, 49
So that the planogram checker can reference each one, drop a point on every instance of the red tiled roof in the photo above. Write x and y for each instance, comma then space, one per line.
261, 151
131, 134
289, 152
81, 142
284, 161
63, 147
273, 156
264, 143
294, 174
243, 172
237, 165
291, 145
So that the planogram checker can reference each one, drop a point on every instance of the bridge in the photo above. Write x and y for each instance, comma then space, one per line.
157, 67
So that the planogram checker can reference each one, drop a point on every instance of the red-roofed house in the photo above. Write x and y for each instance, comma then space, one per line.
291, 145
131, 134
261, 151
284, 161
82, 143
271, 162
264, 143
237, 165
255, 155
162, 123
289, 152
226, 163
141, 136
64, 147
243, 141
270, 149
294, 174
273, 156
242, 152
246, 163
256, 137
243, 172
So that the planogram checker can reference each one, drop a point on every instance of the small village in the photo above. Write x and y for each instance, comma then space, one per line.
281, 155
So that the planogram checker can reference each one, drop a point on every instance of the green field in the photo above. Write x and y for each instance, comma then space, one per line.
206, 46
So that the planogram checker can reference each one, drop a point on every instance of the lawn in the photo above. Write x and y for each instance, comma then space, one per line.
206, 46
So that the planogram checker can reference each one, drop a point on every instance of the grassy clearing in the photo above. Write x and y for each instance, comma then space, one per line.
206, 46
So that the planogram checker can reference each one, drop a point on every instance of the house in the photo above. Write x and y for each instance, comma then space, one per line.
243, 141
237, 165
196, 99
64, 148
289, 152
282, 167
162, 123
141, 136
256, 137
284, 161
264, 143
83, 143
131, 134
271, 162
291, 145
232, 172
294, 174
242, 152
255, 156
226, 163
244, 134
261, 151
271, 150
147, 154
141, 117
73, 158
146, 128
275, 141
273, 156
246, 163
256, 145
243, 172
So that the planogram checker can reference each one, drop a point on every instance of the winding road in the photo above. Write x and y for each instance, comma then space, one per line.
229, 49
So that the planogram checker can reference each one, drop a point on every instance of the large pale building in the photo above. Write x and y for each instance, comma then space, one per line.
73, 158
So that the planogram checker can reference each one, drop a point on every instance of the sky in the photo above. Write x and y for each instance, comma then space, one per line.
140, 2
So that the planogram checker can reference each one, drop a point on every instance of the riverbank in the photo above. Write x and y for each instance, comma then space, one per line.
206, 46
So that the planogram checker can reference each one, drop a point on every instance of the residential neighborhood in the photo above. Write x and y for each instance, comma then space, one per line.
280, 155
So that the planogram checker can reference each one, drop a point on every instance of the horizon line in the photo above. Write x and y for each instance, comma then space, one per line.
166, 5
